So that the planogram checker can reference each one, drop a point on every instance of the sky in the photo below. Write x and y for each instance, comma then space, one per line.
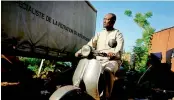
163, 17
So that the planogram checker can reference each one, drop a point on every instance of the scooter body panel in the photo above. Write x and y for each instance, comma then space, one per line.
59, 93
88, 71
91, 78
79, 72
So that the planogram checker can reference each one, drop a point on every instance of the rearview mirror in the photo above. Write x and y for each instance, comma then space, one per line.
112, 43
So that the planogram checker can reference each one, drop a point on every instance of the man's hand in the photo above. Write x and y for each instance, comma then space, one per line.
78, 54
114, 55
111, 54
94, 44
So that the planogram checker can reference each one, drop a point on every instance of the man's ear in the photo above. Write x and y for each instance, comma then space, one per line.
113, 22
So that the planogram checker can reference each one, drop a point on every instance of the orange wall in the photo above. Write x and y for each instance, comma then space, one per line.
163, 41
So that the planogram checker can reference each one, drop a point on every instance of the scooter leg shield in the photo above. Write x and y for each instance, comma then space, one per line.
91, 78
78, 74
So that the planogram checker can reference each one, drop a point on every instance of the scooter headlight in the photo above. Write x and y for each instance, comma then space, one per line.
86, 49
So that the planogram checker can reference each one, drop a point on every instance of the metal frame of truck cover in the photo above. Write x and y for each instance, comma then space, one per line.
91, 5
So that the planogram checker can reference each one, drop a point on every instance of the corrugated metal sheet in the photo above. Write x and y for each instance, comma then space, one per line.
163, 41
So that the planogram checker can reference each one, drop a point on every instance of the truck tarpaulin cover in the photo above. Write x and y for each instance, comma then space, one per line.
46, 27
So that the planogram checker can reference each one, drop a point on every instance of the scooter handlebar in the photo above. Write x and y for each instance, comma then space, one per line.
100, 54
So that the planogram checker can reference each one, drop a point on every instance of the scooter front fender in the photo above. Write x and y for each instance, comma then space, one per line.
63, 91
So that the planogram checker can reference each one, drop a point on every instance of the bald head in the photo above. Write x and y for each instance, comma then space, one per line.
113, 17
109, 20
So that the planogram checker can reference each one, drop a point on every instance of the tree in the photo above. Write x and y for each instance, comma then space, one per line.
143, 45
128, 13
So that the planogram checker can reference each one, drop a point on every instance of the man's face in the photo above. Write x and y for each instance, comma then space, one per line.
107, 21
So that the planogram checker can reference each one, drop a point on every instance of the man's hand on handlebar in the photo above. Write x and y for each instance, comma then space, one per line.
114, 55
78, 54
110, 54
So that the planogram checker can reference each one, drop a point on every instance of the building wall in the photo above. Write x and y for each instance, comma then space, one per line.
163, 41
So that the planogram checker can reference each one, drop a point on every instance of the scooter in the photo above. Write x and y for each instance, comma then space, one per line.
87, 78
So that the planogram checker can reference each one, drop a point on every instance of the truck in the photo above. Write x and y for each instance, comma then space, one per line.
46, 29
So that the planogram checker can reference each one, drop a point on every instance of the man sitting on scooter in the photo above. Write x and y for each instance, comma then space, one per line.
100, 42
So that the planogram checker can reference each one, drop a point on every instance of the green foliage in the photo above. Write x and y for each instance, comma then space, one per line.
33, 68
63, 63
148, 14
143, 45
48, 66
140, 57
128, 13
31, 61
139, 42
141, 19
126, 64
147, 34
